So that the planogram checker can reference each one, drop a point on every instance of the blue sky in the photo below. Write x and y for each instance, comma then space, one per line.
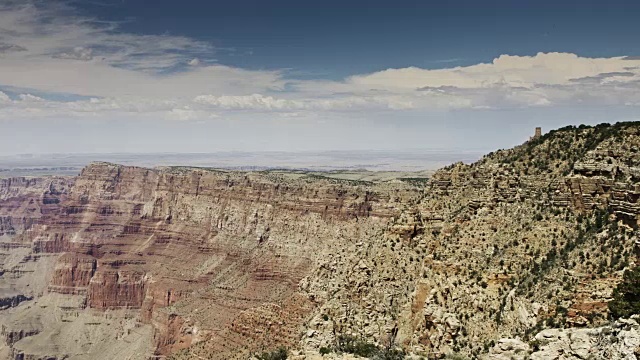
202, 76
334, 39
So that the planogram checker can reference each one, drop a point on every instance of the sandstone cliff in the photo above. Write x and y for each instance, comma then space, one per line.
201, 256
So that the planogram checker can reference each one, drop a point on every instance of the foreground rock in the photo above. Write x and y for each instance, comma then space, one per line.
620, 340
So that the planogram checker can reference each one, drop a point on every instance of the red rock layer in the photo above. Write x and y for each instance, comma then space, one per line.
198, 252
73, 273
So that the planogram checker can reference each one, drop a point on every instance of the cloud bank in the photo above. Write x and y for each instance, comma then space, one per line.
54, 63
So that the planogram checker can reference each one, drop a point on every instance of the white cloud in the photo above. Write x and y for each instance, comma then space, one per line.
30, 98
507, 81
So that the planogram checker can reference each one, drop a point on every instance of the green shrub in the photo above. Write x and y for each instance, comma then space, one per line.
456, 357
359, 347
626, 296
353, 345
279, 354
388, 354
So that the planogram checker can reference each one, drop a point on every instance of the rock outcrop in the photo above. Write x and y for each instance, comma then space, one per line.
619, 340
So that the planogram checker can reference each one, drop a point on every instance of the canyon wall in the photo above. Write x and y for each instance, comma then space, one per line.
198, 255
200, 263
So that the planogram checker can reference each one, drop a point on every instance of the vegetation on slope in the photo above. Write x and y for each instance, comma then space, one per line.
278, 354
536, 243
626, 296
558, 150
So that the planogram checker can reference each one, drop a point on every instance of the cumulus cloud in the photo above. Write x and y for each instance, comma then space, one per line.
30, 98
514, 71
540, 80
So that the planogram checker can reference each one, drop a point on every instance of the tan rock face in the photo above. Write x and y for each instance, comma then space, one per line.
207, 257
25, 200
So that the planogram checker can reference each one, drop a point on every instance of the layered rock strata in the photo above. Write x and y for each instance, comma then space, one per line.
200, 263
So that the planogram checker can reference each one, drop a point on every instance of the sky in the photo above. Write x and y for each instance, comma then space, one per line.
249, 75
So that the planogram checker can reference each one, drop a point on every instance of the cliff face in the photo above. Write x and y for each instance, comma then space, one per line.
201, 256
526, 239
202, 263
25, 200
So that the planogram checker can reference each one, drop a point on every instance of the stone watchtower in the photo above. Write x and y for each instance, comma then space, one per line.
537, 134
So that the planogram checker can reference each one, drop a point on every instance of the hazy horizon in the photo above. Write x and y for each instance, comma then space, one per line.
404, 161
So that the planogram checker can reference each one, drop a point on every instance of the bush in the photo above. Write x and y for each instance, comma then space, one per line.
388, 354
456, 357
279, 354
359, 347
626, 296
353, 345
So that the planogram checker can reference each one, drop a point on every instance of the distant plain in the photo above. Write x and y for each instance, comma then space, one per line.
351, 165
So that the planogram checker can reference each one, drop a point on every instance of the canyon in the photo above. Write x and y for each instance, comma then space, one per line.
480, 260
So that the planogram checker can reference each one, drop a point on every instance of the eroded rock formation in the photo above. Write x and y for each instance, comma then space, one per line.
202, 256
